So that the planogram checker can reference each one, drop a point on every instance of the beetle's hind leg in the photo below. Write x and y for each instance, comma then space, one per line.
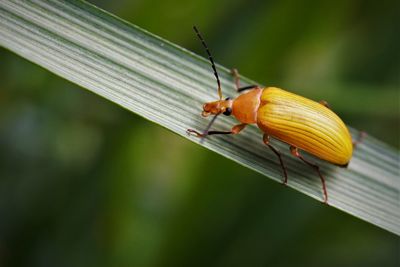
266, 141
235, 74
295, 152
360, 139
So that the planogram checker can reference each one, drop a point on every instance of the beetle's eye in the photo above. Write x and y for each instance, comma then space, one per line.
227, 112
228, 98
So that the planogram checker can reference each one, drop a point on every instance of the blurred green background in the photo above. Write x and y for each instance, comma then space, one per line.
84, 182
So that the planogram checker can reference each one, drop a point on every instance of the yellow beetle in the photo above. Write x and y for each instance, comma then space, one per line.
300, 122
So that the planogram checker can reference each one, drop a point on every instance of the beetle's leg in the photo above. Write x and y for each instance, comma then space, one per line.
235, 130
361, 136
325, 104
295, 152
235, 74
266, 141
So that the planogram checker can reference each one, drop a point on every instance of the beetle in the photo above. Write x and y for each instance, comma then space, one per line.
298, 121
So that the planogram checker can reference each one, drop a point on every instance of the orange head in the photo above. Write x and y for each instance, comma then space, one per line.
217, 107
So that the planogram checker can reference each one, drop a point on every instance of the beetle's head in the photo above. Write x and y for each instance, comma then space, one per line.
217, 107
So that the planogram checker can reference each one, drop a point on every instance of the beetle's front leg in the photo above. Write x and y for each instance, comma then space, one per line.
235, 130
295, 152
235, 74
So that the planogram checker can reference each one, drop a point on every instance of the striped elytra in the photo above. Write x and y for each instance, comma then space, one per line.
305, 124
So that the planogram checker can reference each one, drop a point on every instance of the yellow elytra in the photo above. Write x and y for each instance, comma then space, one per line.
300, 122
305, 124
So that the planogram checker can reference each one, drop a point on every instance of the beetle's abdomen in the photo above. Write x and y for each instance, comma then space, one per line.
305, 124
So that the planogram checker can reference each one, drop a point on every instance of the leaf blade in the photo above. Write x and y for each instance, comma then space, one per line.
167, 84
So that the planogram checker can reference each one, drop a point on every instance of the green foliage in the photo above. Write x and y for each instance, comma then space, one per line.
162, 200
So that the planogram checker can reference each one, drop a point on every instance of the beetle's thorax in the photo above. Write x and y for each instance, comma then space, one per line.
245, 106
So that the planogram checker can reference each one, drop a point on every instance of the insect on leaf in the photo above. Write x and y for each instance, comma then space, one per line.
167, 85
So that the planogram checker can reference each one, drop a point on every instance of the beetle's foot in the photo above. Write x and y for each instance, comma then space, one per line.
194, 133
360, 138
325, 199
325, 104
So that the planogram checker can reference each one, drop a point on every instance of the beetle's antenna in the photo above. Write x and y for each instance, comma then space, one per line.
205, 133
211, 60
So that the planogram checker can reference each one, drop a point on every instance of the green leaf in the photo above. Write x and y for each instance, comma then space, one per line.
167, 84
